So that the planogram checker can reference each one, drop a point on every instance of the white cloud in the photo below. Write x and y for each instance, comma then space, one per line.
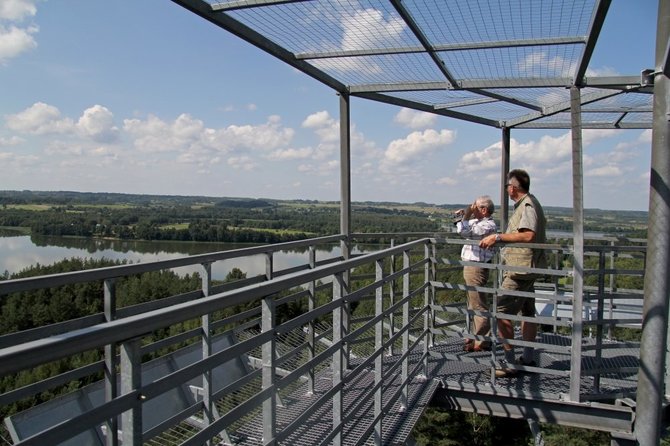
11, 141
414, 119
60, 148
15, 40
97, 123
539, 63
368, 29
17, 10
604, 171
415, 145
186, 133
645, 136
318, 120
39, 119
9, 159
241, 163
446, 181
290, 154
602, 71
364, 29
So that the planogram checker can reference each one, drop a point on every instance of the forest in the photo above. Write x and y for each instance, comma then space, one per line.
244, 220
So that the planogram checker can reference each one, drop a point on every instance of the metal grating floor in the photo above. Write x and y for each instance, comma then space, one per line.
397, 423
458, 369
449, 367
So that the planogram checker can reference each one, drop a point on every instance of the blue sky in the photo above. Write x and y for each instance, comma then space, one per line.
145, 97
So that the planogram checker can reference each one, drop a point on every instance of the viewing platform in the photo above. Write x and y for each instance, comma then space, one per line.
380, 339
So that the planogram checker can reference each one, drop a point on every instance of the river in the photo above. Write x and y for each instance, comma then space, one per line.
18, 252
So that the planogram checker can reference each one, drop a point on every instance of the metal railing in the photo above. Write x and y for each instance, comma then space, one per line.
243, 364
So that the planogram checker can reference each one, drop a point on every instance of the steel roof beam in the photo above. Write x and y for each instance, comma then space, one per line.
618, 110
416, 29
405, 86
618, 82
245, 4
625, 82
426, 108
561, 107
466, 103
451, 47
507, 99
515, 83
590, 415
586, 125
594, 31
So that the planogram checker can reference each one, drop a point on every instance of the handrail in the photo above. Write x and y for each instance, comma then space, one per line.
19, 357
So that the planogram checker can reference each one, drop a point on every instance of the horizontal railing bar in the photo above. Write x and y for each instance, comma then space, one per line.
240, 317
233, 285
32, 334
237, 384
619, 321
285, 358
323, 356
618, 272
48, 383
158, 303
291, 297
619, 345
299, 321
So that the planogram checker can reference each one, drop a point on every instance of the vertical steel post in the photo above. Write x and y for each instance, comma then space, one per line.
504, 169
345, 172
578, 252
111, 362
338, 358
379, 342
311, 304
405, 326
345, 202
392, 300
206, 342
429, 299
600, 316
269, 366
613, 286
131, 379
650, 389
268, 358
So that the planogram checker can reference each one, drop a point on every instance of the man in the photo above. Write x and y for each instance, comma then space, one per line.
477, 223
527, 225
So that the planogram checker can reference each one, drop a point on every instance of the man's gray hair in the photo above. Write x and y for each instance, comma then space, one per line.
486, 200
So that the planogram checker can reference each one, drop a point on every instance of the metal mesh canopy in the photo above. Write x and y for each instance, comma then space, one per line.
504, 63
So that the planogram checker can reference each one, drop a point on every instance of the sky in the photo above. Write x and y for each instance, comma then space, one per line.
144, 97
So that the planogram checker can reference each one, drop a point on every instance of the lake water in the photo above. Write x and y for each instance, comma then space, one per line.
18, 252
